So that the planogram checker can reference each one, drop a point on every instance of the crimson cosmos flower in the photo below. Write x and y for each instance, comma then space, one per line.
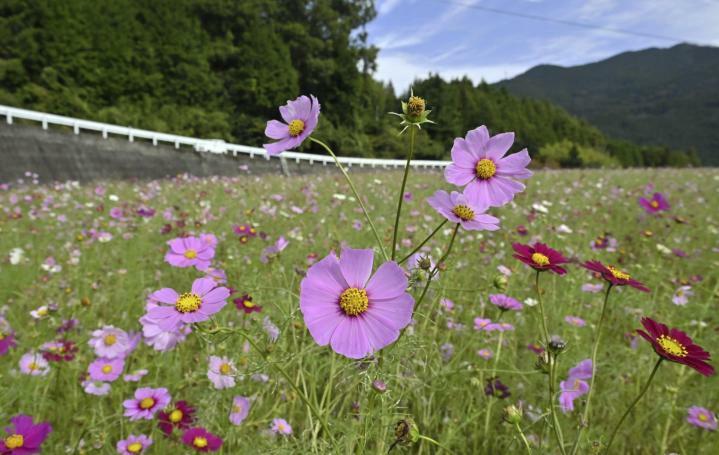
613, 275
675, 345
180, 416
540, 257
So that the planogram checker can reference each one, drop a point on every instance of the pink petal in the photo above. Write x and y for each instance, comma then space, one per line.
356, 266
515, 165
202, 286
165, 295
388, 282
276, 130
323, 325
395, 313
463, 155
378, 332
350, 340
499, 145
216, 295
458, 176
478, 139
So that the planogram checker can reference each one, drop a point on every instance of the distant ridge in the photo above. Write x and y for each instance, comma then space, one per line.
656, 96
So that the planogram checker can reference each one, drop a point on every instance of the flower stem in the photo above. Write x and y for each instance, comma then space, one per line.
428, 439
631, 406
401, 192
488, 411
552, 363
585, 416
357, 196
401, 261
524, 439
287, 377
436, 267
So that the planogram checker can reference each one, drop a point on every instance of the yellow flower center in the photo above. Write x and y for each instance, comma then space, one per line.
415, 105
463, 212
703, 417
33, 366
248, 303
176, 416
190, 254
42, 311
199, 442
135, 447
672, 346
107, 369
540, 259
147, 403
14, 441
236, 409
188, 303
654, 204
354, 301
225, 368
109, 340
486, 169
2, 336
618, 274
296, 127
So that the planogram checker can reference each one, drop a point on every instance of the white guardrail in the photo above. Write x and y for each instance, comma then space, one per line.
199, 145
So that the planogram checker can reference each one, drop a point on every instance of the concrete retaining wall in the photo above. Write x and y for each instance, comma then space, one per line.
58, 155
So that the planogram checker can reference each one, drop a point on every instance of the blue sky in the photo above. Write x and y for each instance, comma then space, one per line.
455, 38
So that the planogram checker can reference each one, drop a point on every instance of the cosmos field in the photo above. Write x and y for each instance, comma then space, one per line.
79, 263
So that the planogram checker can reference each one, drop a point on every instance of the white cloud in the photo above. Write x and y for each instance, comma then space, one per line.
402, 69
387, 6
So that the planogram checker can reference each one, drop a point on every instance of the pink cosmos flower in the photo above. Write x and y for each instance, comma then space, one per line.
457, 208
204, 300
146, 403
575, 321
505, 302
481, 323
702, 418
274, 249
280, 426
240, 410
34, 364
575, 386
97, 388
658, 203
24, 436
354, 312
133, 445
485, 353
161, 340
301, 116
135, 376
7, 337
190, 252
681, 295
108, 370
479, 162
110, 342
201, 440
221, 372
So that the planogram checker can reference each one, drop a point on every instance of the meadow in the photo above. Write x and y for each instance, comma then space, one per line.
78, 257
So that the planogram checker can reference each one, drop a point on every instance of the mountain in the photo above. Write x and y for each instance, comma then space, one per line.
656, 96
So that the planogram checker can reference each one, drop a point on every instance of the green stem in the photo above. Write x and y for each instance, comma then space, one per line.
524, 439
357, 196
552, 361
284, 373
488, 412
631, 406
436, 267
428, 439
401, 261
401, 192
585, 416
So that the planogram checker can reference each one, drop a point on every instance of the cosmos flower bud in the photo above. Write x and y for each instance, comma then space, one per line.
415, 106
379, 386
557, 345
513, 414
424, 263
500, 283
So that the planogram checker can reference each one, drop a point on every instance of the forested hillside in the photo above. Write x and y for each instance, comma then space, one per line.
220, 69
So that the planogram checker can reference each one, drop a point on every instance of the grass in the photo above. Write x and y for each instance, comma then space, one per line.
444, 395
